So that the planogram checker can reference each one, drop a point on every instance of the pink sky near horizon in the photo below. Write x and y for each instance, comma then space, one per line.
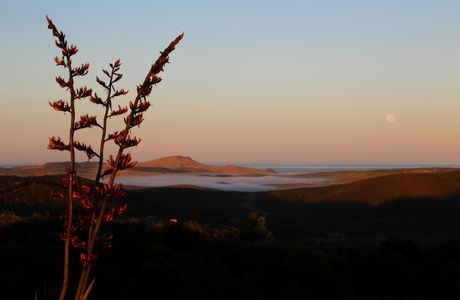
314, 87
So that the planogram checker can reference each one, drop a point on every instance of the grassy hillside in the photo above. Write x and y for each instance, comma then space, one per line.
379, 190
420, 206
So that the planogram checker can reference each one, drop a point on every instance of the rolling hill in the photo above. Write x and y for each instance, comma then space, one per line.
414, 205
380, 189
185, 164
165, 165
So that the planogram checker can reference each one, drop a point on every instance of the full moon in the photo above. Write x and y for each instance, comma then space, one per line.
390, 118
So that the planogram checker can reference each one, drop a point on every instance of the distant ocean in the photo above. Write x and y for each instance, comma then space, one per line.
12, 165
309, 168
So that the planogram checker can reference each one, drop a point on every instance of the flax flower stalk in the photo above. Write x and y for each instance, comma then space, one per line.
124, 141
94, 198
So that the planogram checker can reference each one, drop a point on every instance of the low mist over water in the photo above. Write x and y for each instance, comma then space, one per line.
224, 183
311, 168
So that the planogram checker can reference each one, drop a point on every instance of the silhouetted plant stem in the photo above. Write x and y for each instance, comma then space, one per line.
57, 144
104, 129
142, 92
94, 199
71, 171
65, 281
87, 268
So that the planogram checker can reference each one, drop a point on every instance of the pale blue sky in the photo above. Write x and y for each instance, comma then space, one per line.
305, 81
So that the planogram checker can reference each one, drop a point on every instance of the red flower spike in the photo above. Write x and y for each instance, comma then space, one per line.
102, 83
111, 161
95, 99
118, 77
156, 80
112, 136
144, 90
68, 172
82, 92
134, 121
125, 163
106, 73
84, 196
84, 188
173, 44
122, 209
117, 63
87, 149
109, 216
76, 243
139, 89
126, 142
84, 200
61, 81
72, 50
55, 143
53, 28
142, 106
120, 93
80, 192
131, 105
86, 121
116, 191
60, 106
50, 23
86, 259
110, 164
81, 70
119, 111
85, 203
59, 62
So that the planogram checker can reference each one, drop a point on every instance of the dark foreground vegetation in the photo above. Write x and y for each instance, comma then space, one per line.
314, 213
311, 249
192, 261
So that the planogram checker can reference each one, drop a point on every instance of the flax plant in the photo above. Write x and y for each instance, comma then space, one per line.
93, 199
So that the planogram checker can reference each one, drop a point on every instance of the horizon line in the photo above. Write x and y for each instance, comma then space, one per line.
305, 163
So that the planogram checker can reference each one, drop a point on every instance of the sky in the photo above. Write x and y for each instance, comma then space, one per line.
252, 81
